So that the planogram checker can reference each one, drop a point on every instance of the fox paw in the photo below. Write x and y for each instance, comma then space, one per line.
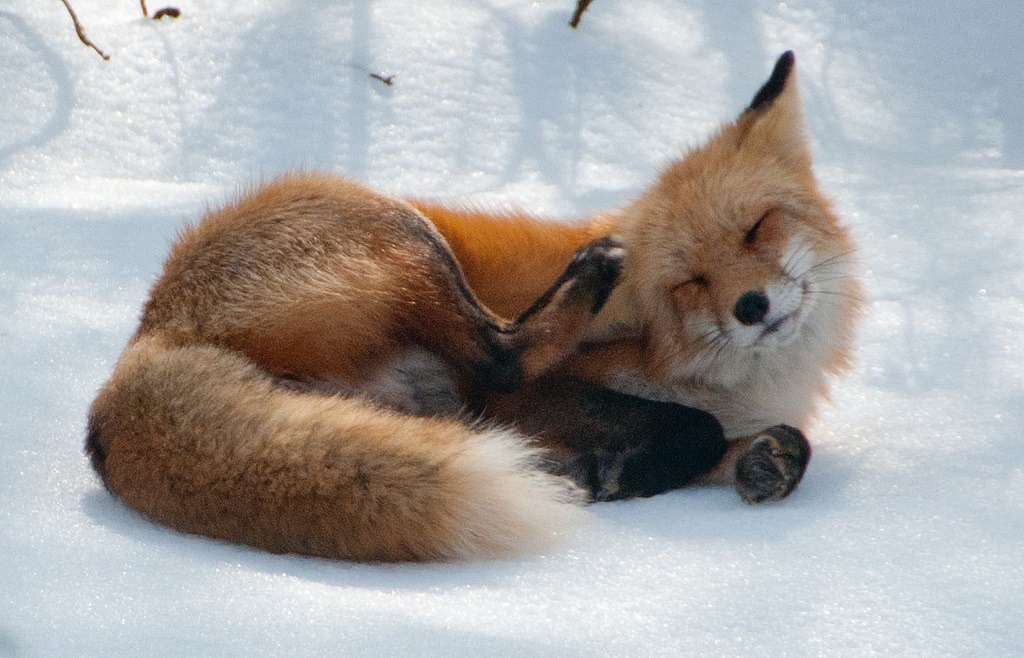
773, 464
594, 270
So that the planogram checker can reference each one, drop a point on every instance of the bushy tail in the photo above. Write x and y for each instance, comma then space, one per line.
200, 439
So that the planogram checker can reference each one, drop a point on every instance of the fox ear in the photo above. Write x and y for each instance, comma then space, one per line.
777, 83
773, 122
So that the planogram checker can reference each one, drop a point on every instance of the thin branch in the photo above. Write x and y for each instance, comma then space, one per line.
145, 12
81, 33
388, 80
173, 12
581, 6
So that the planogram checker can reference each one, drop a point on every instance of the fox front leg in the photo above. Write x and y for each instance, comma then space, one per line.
612, 444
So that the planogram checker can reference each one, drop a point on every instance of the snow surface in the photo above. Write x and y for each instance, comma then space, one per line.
905, 537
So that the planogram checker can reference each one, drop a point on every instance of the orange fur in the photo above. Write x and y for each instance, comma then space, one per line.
206, 424
509, 259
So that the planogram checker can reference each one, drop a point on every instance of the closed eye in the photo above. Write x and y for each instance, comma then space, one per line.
699, 280
751, 237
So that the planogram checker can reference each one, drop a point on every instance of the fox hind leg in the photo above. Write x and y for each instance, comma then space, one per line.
547, 332
505, 353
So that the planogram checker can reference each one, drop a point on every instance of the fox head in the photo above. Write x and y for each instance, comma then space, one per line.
735, 255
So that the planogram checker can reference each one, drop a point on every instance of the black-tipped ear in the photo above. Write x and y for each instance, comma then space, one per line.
768, 92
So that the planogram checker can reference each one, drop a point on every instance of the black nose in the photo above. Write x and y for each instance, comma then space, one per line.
751, 307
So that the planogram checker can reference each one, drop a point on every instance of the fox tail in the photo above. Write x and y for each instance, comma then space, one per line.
201, 439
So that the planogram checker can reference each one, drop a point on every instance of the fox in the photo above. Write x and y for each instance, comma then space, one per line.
326, 370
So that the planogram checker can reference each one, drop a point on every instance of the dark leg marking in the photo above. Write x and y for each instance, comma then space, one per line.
503, 372
613, 444
589, 279
672, 444
593, 270
591, 276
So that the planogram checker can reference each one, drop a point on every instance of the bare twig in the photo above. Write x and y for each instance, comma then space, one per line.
173, 12
145, 12
388, 80
81, 33
581, 6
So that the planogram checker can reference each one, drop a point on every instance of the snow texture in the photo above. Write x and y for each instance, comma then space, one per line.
906, 536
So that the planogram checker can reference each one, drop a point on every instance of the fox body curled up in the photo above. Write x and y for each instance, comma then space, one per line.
210, 422
303, 366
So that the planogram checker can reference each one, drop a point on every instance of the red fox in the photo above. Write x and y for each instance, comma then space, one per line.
307, 365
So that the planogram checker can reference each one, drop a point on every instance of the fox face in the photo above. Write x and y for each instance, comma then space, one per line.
762, 298
741, 265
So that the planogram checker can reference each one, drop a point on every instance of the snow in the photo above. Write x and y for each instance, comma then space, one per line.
905, 537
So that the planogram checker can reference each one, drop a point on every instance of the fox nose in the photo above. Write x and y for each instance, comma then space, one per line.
751, 307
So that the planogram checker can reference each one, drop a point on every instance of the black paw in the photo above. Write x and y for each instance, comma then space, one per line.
773, 464
595, 269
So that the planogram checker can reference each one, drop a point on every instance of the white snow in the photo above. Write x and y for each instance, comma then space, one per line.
906, 536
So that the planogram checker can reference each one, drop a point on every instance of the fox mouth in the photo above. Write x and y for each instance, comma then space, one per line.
775, 326
779, 331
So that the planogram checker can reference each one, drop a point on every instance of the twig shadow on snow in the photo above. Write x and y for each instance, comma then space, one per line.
282, 118
938, 276
53, 67
9, 644
334, 117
